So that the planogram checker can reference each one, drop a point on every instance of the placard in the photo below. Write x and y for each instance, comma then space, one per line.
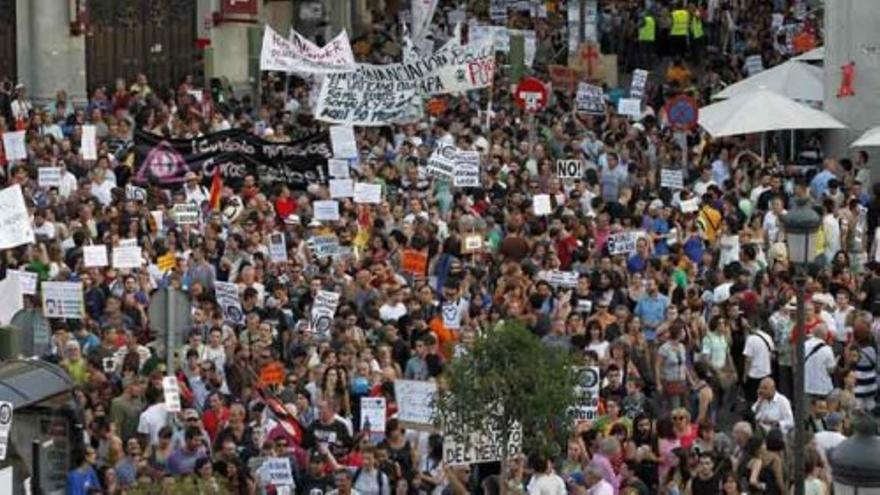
17, 228
486, 445
172, 393
590, 99
623, 243
569, 169
414, 262
472, 243
277, 471
277, 248
185, 213
324, 246
343, 141
467, 169
366, 193
129, 242
14, 146
754, 64
441, 163
338, 168
89, 145
165, 262
373, 414
135, 193
227, 298
126, 257
672, 178
49, 176
561, 279
27, 281
587, 393
637, 87
631, 107
541, 204
62, 300
415, 401
272, 374
326, 210
6, 411
341, 188
689, 205
95, 256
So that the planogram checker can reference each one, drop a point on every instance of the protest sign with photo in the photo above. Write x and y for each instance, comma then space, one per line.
415, 401
164, 162
227, 298
323, 310
624, 242
62, 299
569, 169
14, 219
277, 248
672, 178
587, 393
300, 55
467, 169
373, 414
590, 99
639, 80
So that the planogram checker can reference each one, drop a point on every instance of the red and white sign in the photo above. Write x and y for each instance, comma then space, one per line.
239, 7
531, 95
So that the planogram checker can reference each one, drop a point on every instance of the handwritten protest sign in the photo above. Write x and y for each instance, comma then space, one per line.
624, 242
95, 256
441, 163
485, 445
171, 391
367, 193
415, 401
590, 99
326, 210
298, 54
672, 178
127, 257
341, 188
49, 176
27, 281
13, 145
15, 223
631, 107
343, 141
467, 169
414, 262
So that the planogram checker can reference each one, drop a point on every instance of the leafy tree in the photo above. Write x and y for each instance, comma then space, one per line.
507, 377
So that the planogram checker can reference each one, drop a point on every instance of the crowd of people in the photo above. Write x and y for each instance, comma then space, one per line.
692, 330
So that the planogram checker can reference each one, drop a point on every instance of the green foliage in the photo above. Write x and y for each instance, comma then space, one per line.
509, 376
182, 485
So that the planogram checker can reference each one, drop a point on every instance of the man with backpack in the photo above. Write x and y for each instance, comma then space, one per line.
369, 479
819, 363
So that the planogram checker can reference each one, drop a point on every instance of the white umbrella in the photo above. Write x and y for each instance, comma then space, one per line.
814, 55
762, 110
871, 137
796, 80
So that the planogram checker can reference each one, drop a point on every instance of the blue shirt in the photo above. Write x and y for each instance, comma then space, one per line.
79, 481
652, 310
636, 264
660, 226
819, 184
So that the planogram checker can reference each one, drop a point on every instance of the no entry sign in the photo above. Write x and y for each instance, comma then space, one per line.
531, 95
682, 112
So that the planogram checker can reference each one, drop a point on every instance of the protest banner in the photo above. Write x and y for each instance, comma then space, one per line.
484, 445
277, 248
414, 262
49, 176
637, 86
14, 145
467, 169
186, 213
541, 204
165, 162
227, 298
590, 99
62, 300
624, 242
272, 374
367, 193
343, 141
569, 169
373, 414
95, 256
127, 257
27, 281
14, 219
672, 178
88, 143
300, 55
341, 188
338, 168
415, 402
441, 163
171, 392
326, 210
587, 393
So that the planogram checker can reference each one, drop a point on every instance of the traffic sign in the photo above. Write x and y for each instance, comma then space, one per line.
682, 113
531, 95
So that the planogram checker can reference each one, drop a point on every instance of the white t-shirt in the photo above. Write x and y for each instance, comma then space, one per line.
601, 488
389, 312
152, 420
548, 484
817, 377
827, 440
758, 347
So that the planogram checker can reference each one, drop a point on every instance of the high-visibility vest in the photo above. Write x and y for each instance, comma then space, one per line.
696, 27
648, 32
680, 20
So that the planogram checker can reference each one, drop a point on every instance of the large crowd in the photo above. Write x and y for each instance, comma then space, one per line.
692, 330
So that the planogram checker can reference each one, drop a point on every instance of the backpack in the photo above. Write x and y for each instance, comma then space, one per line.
380, 480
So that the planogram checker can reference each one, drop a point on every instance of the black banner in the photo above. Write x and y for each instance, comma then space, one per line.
164, 162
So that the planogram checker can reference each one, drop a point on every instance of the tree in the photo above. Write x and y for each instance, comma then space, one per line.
509, 378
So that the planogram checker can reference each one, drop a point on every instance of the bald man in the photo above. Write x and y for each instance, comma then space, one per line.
772, 409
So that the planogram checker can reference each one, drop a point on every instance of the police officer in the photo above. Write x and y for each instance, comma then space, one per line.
698, 38
678, 33
647, 37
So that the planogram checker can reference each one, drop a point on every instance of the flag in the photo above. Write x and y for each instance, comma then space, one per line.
216, 188
279, 413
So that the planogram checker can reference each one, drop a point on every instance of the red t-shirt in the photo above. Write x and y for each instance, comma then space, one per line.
285, 207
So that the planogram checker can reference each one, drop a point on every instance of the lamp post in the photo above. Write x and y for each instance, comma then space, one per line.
801, 225
855, 463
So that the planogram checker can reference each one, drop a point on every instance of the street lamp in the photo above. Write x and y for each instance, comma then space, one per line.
801, 225
855, 463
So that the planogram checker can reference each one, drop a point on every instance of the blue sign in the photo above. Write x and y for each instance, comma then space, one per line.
682, 113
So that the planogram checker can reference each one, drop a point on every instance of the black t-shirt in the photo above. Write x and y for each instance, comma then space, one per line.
705, 487
306, 484
335, 435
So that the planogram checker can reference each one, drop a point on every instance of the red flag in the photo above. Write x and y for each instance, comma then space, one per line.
279, 413
216, 188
